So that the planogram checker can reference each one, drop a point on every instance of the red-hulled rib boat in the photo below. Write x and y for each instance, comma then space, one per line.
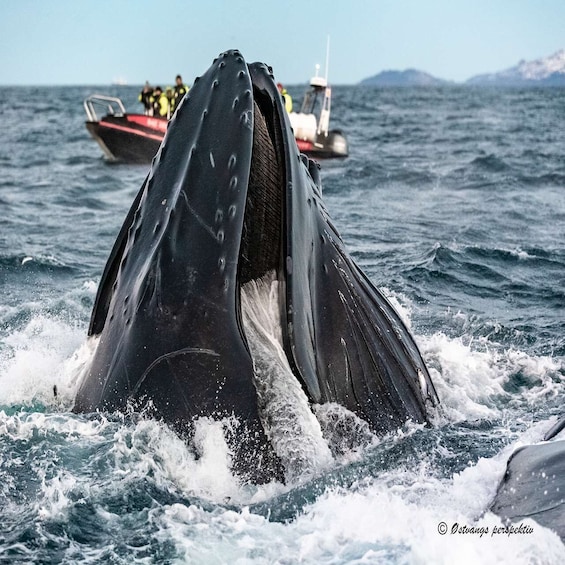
129, 138
135, 138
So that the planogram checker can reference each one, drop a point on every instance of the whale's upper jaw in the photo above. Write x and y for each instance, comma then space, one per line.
214, 198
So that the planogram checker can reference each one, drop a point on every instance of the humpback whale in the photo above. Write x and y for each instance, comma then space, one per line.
229, 200
533, 485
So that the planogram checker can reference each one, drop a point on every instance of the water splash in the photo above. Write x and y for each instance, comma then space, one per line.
290, 424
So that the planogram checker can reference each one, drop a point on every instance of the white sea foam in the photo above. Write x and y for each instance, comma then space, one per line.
39, 357
23, 426
390, 518
54, 501
466, 379
153, 449
400, 304
394, 518
470, 376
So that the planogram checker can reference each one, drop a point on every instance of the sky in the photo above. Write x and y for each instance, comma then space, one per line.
83, 42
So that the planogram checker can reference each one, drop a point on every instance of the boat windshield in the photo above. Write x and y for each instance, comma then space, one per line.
311, 100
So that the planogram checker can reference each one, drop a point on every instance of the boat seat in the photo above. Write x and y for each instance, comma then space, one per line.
304, 126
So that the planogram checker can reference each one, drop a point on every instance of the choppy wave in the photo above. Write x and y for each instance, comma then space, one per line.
451, 201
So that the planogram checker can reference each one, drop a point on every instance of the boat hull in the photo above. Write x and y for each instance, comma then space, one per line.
135, 138
132, 138
331, 146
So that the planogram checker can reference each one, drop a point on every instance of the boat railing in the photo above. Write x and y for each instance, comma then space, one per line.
105, 105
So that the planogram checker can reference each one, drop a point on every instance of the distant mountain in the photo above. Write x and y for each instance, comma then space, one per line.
548, 71
409, 77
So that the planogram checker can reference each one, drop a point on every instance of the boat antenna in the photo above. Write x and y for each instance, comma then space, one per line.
327, 58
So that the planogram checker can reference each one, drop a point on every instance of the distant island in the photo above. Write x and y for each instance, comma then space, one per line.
409, 77
547, 71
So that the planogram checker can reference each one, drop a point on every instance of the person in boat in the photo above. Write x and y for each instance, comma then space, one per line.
170, 101
180, 90
146, 98
160, 103
286, 96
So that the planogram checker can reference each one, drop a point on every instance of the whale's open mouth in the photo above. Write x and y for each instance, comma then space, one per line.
230, 205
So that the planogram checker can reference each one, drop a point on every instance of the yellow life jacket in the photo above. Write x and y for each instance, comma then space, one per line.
287, 100
163, 105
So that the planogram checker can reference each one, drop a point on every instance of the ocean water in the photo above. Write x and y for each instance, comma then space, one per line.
452, 201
